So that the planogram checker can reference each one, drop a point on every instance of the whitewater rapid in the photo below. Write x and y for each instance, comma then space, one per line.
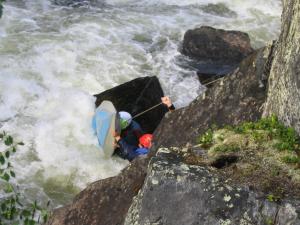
53, 58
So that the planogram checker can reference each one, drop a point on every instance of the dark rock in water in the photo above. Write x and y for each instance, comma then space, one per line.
136, 96
235, 98
178, 193
104, 202
219, 9
218, 51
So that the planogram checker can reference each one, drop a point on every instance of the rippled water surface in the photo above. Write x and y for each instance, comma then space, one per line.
54, 57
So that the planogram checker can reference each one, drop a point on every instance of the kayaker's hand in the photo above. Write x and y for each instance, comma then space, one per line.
167, 101
117, 138
116, 135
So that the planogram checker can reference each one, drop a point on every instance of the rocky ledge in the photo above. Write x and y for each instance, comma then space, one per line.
176, 193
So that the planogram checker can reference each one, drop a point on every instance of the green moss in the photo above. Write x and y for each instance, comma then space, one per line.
290, 159
227, 148
267, 152
270, 128
206, 139
273, 198
269, 221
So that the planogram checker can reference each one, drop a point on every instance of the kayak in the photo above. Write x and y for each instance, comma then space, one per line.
104, 125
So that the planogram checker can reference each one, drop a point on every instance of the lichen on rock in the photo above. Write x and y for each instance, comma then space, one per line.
202, 196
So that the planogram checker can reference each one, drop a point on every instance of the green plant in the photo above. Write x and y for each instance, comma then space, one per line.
271, 128
258, 136
227, 148
13, 210
273, 198
269, 221
291, 159
206, 139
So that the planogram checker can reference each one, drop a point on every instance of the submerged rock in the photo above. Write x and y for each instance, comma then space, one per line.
217, 51
136, 96
219, 9
178, 193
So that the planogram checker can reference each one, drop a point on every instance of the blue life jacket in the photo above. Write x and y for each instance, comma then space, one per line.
129, 152
141, 151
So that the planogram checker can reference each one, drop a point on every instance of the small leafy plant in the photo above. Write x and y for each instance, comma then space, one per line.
266, 130
206, 139
291, 159
227, 148
272, 129
13, 210
273, 198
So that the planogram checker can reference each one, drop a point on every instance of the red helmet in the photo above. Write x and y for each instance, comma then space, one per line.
145, 140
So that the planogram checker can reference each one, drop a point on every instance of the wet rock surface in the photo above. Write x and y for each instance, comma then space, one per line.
177, 193
136, 96
217, 51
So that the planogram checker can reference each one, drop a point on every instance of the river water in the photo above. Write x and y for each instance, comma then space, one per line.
54, 57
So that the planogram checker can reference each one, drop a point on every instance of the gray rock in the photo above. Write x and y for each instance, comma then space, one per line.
284, 83
175, 193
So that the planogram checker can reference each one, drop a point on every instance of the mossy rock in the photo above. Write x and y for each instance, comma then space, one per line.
249, 154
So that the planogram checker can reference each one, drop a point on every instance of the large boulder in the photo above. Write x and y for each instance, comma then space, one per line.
284, 83
235, 98
217, 51
136, 96
179, 193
